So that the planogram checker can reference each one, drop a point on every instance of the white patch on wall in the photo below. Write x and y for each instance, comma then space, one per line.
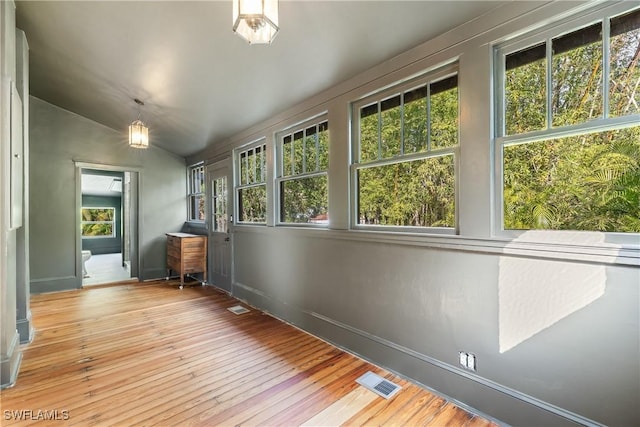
534, 294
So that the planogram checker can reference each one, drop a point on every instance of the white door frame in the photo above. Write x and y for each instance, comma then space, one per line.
136, 207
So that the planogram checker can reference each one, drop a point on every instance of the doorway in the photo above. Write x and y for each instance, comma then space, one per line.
108, 231
220, 236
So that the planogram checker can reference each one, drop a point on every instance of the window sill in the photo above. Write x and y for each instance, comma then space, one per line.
590, 252
601, 252
196, 224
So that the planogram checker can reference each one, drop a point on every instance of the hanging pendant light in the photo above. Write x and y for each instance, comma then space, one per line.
256, 21
138, 132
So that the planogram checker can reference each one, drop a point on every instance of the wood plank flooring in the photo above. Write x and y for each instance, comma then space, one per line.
150, 354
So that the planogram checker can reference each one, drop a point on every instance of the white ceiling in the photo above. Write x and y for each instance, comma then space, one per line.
200, 82
101, 185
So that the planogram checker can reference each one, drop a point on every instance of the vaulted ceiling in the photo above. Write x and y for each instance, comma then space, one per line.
199, 81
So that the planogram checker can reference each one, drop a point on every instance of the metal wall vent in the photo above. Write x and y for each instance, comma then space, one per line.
238, 309
378, 385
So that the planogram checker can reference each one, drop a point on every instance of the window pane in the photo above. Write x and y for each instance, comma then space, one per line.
390, 127
243, 168
369, 133
251, 167
323, 144
103, 229
415, 120
525, 88
298, 152
98, 214
286, 156
219, 204
586, 182
304, 200
444, 113
577, 76
310, 150
259, 164
196, 207
418, 193
199, 182
252, 204
624, 84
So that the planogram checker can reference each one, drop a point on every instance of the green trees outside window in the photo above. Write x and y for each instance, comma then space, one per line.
405, 173
567, 142
196, 200
581, 171
98, 222
303, 182
252, 188
219, 207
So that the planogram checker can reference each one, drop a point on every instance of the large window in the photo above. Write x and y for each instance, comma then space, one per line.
251, 187
303, 161
405, 155
98, 222
195, 197
568, 127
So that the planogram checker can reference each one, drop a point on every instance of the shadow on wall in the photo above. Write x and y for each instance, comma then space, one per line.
534, 294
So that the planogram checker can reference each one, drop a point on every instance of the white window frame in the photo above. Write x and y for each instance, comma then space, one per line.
262, 181
317, 171
387, 93
192, 194
113, 223
606, 123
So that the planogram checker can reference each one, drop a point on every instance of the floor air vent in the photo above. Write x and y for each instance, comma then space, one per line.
378, 385
238, 309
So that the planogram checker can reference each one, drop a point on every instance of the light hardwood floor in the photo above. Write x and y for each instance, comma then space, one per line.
150, 354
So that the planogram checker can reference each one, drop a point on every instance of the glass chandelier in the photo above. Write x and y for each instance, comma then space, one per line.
138, 132
256, 21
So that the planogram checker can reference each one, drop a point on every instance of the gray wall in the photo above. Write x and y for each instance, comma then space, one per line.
412, 309
14, 305
60, 138
552, 317
104, 245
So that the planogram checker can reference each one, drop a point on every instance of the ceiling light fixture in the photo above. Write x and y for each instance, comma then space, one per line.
256, 21
138, 132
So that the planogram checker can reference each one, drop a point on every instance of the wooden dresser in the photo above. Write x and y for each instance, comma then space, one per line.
186, 254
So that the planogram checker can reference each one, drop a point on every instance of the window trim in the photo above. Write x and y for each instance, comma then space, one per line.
237, 186
279, 164
432, 76
501, 140
113, 223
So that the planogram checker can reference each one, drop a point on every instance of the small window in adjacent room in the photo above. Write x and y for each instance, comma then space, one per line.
251, 187
569, 128
98, 223
303, 161
406, 144
195, 196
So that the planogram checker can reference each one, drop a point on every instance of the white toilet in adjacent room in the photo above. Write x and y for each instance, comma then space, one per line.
85, 256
